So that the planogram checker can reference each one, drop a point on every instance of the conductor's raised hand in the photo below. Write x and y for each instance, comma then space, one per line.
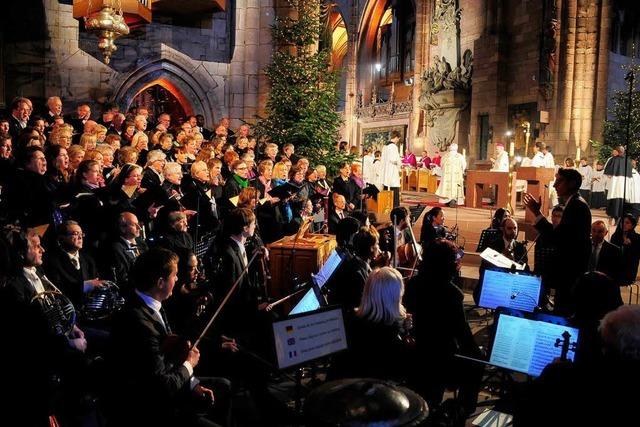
532, 204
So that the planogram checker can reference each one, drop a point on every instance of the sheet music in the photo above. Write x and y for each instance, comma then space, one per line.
512, 290
499, 260
327, 269
527, 345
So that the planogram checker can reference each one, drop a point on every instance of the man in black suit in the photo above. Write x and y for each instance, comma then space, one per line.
605, 256
243, 311
147, 387
337, 213
79, 118
572, 236
341, 185
26, 374
70, 268
122, 252
20, 112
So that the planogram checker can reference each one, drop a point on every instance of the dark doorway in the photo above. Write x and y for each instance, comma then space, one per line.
158, 100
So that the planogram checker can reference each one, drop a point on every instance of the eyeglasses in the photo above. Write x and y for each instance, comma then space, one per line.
241, 168
76, 234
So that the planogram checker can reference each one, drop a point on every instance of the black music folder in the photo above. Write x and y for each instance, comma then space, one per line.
285, 190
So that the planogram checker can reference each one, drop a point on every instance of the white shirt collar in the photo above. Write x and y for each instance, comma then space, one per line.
150, 302
239, 243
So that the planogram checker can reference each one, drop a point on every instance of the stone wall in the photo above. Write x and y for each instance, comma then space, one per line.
215, 62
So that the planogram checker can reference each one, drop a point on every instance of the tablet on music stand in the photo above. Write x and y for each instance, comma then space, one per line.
309, 336
527, 343
504, 288
313, 298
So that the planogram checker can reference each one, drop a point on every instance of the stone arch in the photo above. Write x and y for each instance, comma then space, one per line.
188, 81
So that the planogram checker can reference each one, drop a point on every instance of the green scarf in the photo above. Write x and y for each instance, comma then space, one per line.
242, 182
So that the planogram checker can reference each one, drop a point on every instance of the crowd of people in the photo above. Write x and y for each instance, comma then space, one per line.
173, 216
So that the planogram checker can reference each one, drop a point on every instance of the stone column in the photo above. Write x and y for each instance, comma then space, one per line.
582, 76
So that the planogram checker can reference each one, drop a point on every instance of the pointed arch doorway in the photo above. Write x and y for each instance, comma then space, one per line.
162, 97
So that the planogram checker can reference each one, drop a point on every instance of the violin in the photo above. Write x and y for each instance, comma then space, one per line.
566, 344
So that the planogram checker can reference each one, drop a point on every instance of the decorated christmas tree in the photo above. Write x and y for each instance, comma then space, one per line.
615, 127
304, 90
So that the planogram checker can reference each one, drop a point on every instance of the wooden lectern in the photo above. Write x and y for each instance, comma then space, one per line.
382, 206
478, 179
538, 180
301, 257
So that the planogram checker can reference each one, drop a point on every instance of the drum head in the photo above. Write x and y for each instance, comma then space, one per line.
363, 402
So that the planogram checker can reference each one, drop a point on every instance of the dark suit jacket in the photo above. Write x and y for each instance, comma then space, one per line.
572, 238
63, 274
341, 186
242, 311
333, 221
150, 179
29, 199
610, 262
141, 377
196, 198
119, 260
14, 128
347, 282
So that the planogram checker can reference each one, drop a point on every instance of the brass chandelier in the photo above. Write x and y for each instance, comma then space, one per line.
108, 24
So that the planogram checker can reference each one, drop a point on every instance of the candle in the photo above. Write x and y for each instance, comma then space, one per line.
578, 154
512, 149
464, 152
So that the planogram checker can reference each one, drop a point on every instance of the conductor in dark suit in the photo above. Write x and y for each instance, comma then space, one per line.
572, 236
70, 268
146, 387
605, 256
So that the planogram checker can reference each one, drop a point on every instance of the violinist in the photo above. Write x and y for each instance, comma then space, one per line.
347, 283
375, 330
432, 226
146, 388
400, 233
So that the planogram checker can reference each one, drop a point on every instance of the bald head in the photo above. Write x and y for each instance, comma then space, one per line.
129, 225
599, 230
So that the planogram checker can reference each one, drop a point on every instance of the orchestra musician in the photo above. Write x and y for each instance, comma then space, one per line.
405, 251
39, 355
147, 388
432, 226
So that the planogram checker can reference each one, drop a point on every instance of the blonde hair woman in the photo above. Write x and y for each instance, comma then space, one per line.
61, 135
280, 171
88, 141
382, 298
376, 346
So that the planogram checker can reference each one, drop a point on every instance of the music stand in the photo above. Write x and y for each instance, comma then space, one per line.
308, 337
203, 245
487, 237
415, 212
